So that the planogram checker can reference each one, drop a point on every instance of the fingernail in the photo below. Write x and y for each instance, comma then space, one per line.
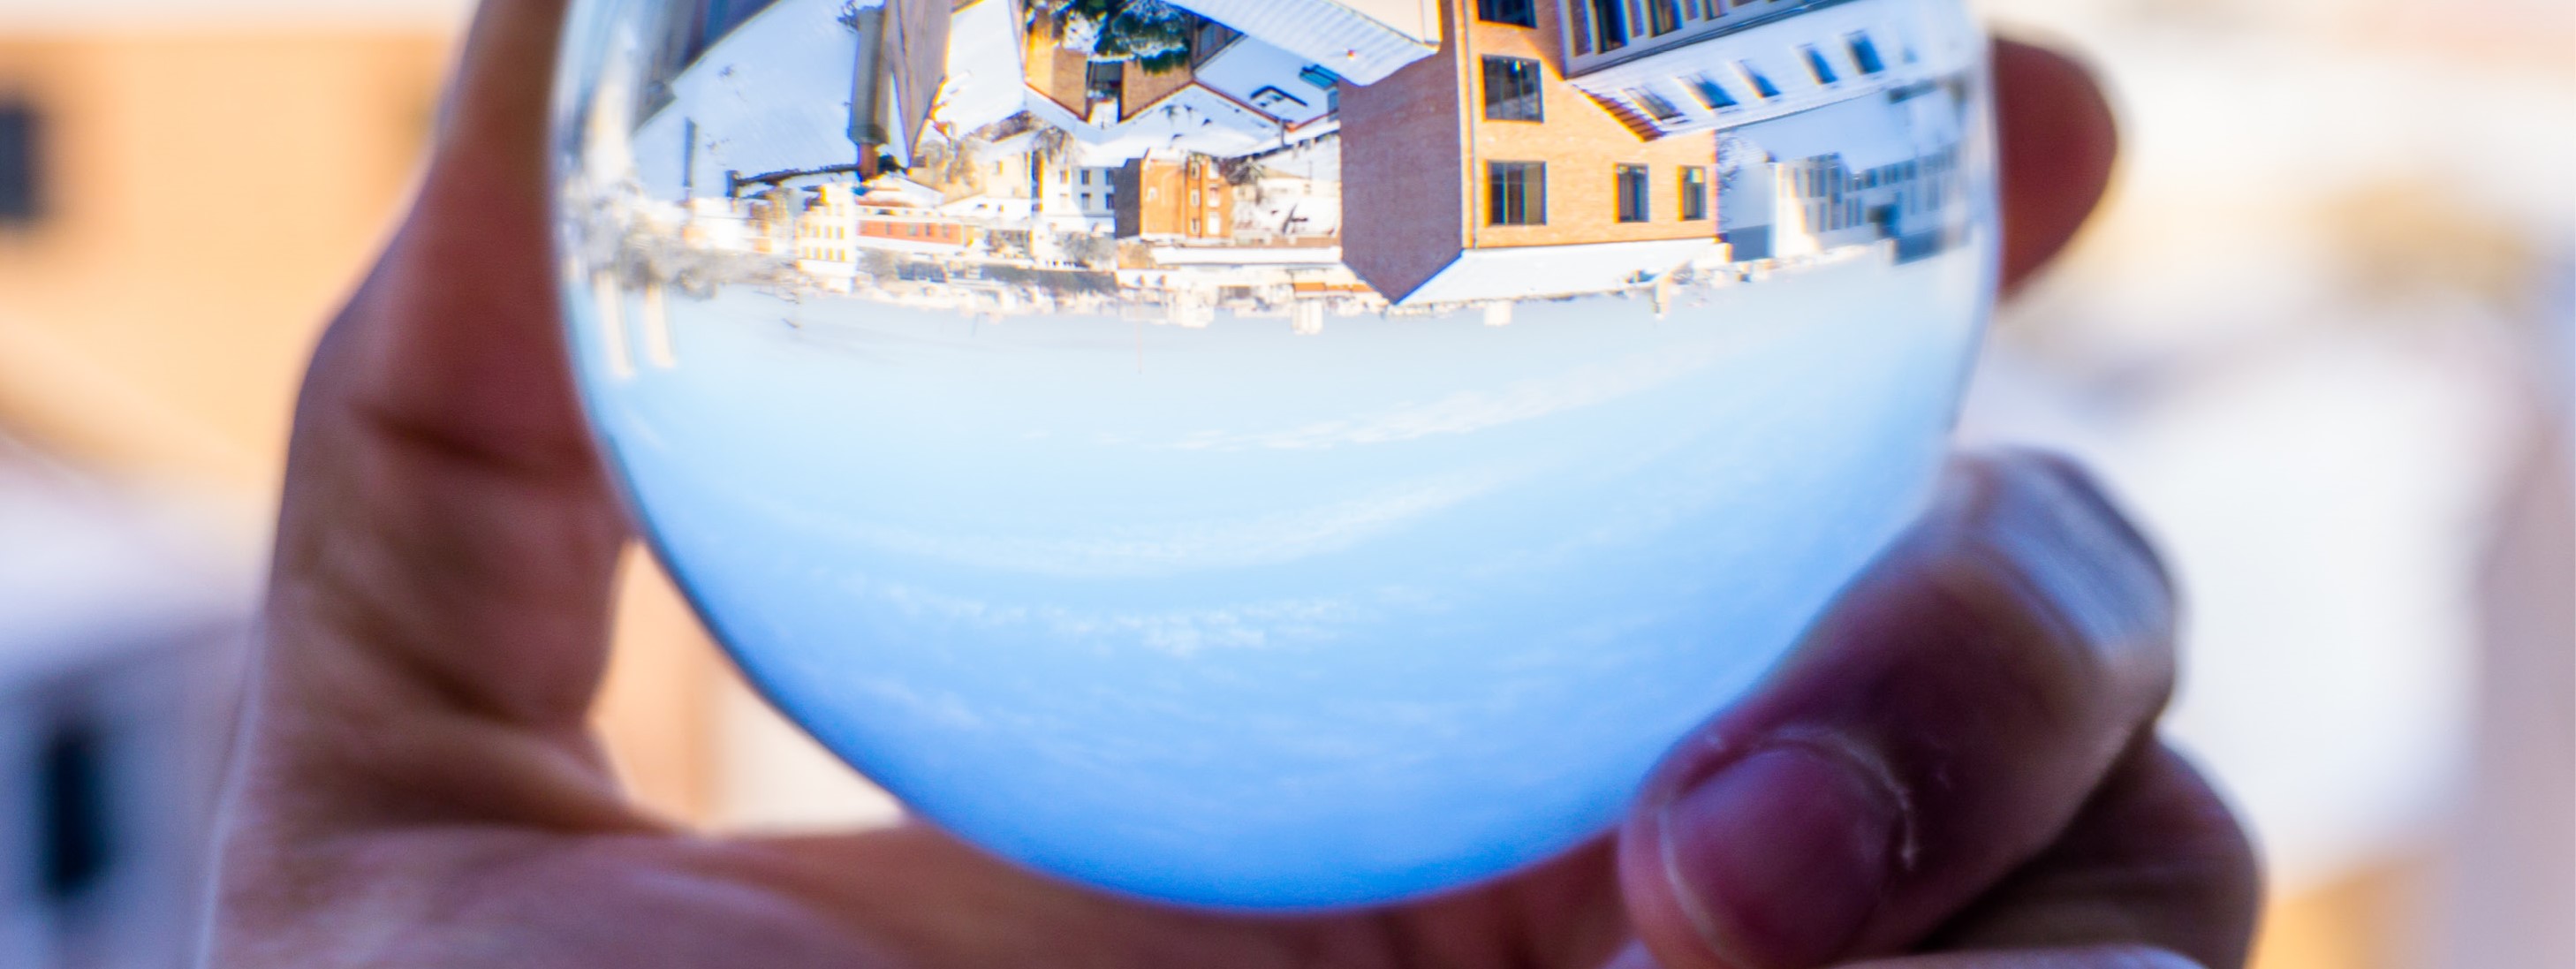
1780, 857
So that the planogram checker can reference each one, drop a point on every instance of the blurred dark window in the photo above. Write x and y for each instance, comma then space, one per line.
1518, 13
1865, 53
72, 781
1711, 93
1821, 68
1761, 83
1512, 90
1694, 193
22, 186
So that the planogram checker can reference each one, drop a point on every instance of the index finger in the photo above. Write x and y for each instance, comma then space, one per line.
437, 618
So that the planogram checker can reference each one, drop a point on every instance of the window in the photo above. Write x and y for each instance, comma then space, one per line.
1663, 17
1107, 80
1516, 193
22, 187
1761, 85
1711, 93
1636, 197
1694, 193
1274, 99
1609, 23
1512, 90
1655, 105
74, 802
1865, 54
1518, 13
1818, 66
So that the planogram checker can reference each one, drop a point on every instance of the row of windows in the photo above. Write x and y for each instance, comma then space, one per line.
1516, 193
1602, 26
1715, 94
1513, 93
1607, 25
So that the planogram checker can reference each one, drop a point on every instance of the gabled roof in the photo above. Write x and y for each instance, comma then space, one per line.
1363, 40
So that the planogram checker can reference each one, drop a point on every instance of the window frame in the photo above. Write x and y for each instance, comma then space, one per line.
1633, 186
1865, 53
1694, 184
1510, 13
1654, 105
1819, 67
1713, 94
1609, 19
1519, 72
1760, 82
1530, 201
1664, 17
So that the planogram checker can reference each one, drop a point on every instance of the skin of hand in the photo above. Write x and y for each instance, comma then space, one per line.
1958, 771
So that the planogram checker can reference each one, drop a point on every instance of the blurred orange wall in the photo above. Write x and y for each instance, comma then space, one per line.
208, 198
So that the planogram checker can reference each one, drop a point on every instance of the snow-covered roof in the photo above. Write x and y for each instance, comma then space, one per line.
985, 76
771, 96
1269, 78
1546, 272
990, 208
1363, 40
1193, 119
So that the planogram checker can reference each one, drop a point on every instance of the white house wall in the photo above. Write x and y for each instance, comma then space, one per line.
1916, 41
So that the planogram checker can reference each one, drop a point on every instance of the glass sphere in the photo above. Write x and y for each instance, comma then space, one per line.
1270, 454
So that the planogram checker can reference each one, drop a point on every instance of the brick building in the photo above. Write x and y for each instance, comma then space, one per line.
1162, 197
1487, 176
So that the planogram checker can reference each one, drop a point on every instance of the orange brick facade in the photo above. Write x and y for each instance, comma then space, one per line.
1415, 149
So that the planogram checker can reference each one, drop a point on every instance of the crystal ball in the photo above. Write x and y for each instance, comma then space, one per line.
1270, 454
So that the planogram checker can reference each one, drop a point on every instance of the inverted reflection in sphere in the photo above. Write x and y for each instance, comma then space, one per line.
1270, 453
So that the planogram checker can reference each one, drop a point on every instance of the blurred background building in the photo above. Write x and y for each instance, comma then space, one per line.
2320, 341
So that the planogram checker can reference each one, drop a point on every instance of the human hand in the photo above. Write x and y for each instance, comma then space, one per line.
1960, 762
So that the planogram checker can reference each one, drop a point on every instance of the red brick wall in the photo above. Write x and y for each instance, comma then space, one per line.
1403, 173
